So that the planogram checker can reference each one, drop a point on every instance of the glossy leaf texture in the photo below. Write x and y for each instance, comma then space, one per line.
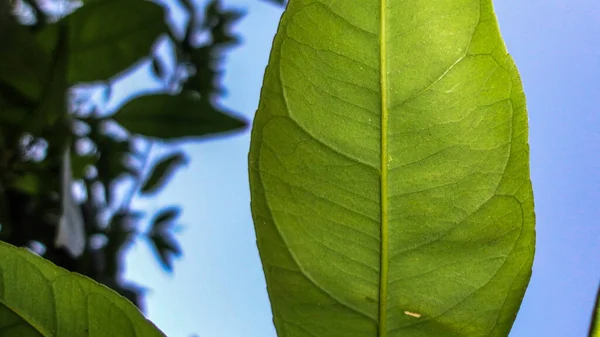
38, 298
389, 171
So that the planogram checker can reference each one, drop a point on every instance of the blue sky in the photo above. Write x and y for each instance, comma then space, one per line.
218, 288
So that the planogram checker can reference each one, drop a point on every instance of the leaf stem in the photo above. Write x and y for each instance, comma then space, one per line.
137, 182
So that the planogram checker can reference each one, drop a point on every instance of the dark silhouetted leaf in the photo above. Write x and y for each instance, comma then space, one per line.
166, 248
164, 218
162, 238
107, 37
178, 117
206, 72
206, 58
219, 21
162, 171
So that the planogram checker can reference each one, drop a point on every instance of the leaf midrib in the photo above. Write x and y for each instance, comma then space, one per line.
383, 274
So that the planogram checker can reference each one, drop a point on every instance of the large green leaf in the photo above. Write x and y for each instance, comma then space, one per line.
389, 170
38, 298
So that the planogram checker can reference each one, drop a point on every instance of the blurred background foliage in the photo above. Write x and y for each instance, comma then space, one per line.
70, 167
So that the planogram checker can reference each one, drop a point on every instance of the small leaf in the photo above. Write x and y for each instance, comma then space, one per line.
177, 117
166, 248
162, 239
163, 170
164, 218
107, 37
41, 299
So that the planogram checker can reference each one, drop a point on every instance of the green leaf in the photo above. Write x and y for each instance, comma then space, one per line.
162, 171
178, 117
41, 299
595, 325
389, 171
24, 65
107, 37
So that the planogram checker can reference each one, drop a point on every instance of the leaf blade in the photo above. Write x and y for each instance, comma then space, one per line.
179, 117
162, 171
50, 301
398, 131
118, 32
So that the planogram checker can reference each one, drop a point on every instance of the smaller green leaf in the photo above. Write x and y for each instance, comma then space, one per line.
41, 299
177, 117
164, 218
107, 37
595, 326
162, 171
